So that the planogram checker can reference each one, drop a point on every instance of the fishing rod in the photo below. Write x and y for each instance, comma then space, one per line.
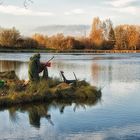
48, 62
50, 59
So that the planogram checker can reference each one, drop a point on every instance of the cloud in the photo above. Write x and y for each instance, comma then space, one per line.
78, 11
75, 12
124, 6
18, 11
120, 3
130, 10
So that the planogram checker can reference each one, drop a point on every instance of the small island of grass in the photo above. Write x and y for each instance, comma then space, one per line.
15, 91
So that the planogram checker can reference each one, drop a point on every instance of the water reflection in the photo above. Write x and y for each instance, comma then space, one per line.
21, 68
96, 72
116, 117
102, 73
130, 132
37, 111
9, 65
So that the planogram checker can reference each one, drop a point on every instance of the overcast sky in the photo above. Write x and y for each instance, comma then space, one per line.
46, 12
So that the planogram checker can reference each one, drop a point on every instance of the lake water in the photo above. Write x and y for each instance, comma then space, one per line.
113, 117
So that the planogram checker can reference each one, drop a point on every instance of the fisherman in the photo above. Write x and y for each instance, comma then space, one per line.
36, 67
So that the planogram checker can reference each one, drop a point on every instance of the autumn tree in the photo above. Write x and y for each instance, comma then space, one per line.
85, 43
56, 41
61, 42
132, 37
138, 45
121, 42
96, 34
28, 43
68, 43
8, 37
127, 37
41, 39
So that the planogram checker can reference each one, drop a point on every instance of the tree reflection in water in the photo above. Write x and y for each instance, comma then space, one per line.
43, 110
21, 68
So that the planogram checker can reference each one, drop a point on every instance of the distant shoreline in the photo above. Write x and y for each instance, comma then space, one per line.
66, 51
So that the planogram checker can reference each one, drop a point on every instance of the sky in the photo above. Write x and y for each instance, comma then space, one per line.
67, 12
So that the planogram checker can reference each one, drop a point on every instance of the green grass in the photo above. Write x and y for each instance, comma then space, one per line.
15, 92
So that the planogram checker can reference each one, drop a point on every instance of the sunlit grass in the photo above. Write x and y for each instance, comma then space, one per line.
15, 92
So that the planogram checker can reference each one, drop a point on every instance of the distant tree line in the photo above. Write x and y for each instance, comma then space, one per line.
103, 36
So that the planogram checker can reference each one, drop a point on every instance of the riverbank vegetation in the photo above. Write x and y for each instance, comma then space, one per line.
103, 36
16, 91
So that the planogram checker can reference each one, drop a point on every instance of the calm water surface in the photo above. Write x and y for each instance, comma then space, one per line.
116, 115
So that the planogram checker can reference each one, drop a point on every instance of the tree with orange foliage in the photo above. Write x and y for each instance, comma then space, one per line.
96, 35
127, 37
41, 39
8, 37
132, 37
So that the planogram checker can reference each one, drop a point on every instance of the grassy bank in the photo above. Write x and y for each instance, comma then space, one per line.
16, 92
